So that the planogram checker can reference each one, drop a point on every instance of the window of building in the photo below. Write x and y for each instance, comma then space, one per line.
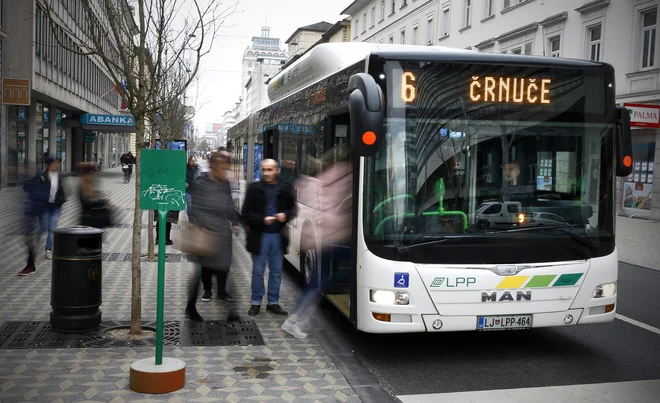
595, 40
404, 3
373, 16
467, 20
403, 37
382, 10
555, 46
364, 22
516, 51
528, 48
490, 8
415, 35
17, 157
649, 28
391, 39
393, 6
445, 22
357, 26
429, 30
511, 3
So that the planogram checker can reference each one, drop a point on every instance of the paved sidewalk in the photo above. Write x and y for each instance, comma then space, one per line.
285, 369
638, 242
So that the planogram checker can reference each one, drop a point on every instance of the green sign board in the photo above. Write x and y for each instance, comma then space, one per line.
162, 179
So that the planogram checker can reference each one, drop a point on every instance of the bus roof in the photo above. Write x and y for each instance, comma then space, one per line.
328, 58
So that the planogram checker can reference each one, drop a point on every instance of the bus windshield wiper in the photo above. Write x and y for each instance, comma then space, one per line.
564, 228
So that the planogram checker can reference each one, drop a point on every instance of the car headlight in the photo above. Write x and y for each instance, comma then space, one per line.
605, 290
389, 297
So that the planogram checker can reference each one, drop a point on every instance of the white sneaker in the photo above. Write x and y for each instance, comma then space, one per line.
49, 255
293, 329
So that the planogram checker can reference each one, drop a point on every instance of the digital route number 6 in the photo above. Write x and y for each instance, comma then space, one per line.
408, 90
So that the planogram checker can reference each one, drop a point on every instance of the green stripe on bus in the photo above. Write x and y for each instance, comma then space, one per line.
567, 280
541, 281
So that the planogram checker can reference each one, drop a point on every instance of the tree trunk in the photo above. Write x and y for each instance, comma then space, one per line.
136, 278
150, 237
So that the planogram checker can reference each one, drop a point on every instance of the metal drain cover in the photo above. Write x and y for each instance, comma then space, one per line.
221, 333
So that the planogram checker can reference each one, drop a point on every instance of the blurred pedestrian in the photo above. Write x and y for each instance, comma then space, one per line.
192, 173
335, 190
213, 210
127, 162
95, 210
269, 205
38, 192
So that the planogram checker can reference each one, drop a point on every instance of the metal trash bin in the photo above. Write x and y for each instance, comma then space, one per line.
75, 293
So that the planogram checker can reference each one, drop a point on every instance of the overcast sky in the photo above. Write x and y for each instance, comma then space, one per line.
219, 81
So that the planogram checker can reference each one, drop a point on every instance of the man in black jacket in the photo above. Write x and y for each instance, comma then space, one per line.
269, 205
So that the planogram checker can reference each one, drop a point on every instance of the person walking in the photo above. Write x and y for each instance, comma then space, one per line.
269, 205
336, 207
192, 173
37, 198
127, 162
56, 198
213, 210
95, 210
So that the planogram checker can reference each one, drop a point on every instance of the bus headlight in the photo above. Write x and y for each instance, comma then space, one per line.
605, 290
389, 297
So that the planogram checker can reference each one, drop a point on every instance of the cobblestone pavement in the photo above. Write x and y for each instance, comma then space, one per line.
285, 369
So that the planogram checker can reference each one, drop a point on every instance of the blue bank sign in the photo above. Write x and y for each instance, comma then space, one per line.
114, 120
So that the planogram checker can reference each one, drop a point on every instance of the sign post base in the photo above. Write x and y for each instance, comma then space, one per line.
147, 377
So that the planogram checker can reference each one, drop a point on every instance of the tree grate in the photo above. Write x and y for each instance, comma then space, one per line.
40, 335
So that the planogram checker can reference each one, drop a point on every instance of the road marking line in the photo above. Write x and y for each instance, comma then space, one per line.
638, 324
629, 392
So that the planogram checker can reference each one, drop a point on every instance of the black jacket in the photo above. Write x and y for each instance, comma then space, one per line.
254, 212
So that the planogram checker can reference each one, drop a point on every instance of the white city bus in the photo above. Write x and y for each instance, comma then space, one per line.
436, 133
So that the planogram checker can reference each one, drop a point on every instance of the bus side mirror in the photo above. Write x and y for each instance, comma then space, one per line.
623, 137
366, 105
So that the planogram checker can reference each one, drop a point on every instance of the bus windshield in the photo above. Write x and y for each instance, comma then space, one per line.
515, 158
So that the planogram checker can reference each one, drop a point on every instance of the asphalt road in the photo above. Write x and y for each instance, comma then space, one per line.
442, 363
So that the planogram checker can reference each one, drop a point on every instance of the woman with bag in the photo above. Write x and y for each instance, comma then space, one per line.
95, 211
213, 218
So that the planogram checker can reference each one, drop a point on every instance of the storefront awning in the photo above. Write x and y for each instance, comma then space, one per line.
108, 123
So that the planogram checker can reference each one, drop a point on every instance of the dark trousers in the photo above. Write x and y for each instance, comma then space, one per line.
207, 276
168, 231
32, 237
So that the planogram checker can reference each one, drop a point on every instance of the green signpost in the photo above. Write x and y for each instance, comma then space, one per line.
162, 188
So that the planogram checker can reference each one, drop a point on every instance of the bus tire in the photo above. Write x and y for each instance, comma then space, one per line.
309, 266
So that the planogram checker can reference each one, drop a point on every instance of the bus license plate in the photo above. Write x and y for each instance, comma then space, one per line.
504, 322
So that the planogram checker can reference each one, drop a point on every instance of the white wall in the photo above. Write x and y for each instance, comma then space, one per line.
620, 21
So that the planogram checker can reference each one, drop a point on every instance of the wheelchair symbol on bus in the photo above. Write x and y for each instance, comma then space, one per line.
401, 280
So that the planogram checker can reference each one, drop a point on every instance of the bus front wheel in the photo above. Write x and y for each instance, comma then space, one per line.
309, 266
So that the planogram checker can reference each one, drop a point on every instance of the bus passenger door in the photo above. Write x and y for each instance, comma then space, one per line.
336, 257
271, 141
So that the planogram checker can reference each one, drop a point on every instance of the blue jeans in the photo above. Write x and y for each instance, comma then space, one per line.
48, 222
188, 204
271, 252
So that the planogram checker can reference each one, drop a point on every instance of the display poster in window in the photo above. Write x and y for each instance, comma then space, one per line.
637, 195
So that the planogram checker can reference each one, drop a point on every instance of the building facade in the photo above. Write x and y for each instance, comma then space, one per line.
64, 86
228, 122
305, 37
263, 51
620, 32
